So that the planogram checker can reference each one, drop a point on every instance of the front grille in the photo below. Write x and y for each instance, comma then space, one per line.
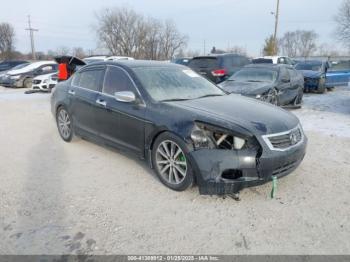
284, 141
36, 82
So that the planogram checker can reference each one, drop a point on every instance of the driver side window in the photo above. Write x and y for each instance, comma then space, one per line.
116, 80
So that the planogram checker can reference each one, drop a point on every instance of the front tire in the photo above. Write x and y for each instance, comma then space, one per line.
64, 124
171, 162
27, 83
321, 88
272, 97
299, 99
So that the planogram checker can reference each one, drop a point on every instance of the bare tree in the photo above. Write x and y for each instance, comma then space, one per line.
342, 20
307, 43
193, 53
171, 40
289, 44
239, 50
78, 52
124, 32
327, 50
7, 35
298, 43
63, 50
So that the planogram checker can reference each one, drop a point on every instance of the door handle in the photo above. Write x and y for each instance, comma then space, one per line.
71, 92
101, 102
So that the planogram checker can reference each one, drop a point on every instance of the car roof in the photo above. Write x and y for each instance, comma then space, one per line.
138, 63
216, 55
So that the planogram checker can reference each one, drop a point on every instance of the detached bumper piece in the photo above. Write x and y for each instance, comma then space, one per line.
226, 172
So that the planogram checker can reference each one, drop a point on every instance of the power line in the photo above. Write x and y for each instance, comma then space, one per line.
31, 34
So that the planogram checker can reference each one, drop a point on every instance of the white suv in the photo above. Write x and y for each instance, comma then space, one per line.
273, 60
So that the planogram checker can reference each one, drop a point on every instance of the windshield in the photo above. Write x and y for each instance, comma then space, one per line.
204, 62
312, 67
166, 83
20, 66
255, 75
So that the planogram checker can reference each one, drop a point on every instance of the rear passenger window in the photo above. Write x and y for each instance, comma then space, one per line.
90, 79
116, 80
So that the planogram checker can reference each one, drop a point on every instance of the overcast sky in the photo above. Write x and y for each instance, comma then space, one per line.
220, 23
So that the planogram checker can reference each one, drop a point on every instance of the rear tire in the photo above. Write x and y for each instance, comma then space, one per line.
170, 159
64, 124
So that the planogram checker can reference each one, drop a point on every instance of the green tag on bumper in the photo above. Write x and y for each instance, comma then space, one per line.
274, 187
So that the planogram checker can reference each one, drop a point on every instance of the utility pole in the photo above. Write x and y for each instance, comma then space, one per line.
31, 34
276, 26
204, 51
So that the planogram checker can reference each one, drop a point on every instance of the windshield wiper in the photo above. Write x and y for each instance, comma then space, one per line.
174, 99
209, 96
255, 81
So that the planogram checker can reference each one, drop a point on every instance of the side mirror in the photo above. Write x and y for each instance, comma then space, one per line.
125, 96
285, 80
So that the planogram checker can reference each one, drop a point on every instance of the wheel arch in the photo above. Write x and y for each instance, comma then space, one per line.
153, 138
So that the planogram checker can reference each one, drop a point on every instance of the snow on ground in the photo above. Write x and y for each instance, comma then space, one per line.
327, 113
82, 198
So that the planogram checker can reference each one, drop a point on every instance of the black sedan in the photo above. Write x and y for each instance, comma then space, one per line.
278, 84
187, 128
314, 73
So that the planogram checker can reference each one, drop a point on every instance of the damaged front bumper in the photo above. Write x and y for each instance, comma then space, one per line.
221, 172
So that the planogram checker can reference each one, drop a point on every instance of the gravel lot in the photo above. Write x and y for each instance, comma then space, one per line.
59, 198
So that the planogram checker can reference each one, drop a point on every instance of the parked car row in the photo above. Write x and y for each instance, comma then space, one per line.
279, 80
279, 84
40, 75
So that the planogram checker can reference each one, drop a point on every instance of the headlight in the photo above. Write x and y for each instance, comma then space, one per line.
258, 96
15, 77
205, 136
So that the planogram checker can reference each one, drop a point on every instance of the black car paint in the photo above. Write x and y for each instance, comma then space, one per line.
135, 126
313, 79
288, 89
230, 62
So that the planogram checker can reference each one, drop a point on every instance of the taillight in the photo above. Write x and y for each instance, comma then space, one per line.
219, 72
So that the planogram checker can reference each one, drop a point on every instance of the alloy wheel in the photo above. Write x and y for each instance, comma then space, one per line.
272, 97
64, 123
171, 162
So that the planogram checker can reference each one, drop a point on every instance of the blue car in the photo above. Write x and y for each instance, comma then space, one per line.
338, 74
314, 73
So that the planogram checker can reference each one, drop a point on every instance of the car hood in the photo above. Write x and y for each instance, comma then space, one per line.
246, 88
233, 110
311, 74
43, 77
19, 71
